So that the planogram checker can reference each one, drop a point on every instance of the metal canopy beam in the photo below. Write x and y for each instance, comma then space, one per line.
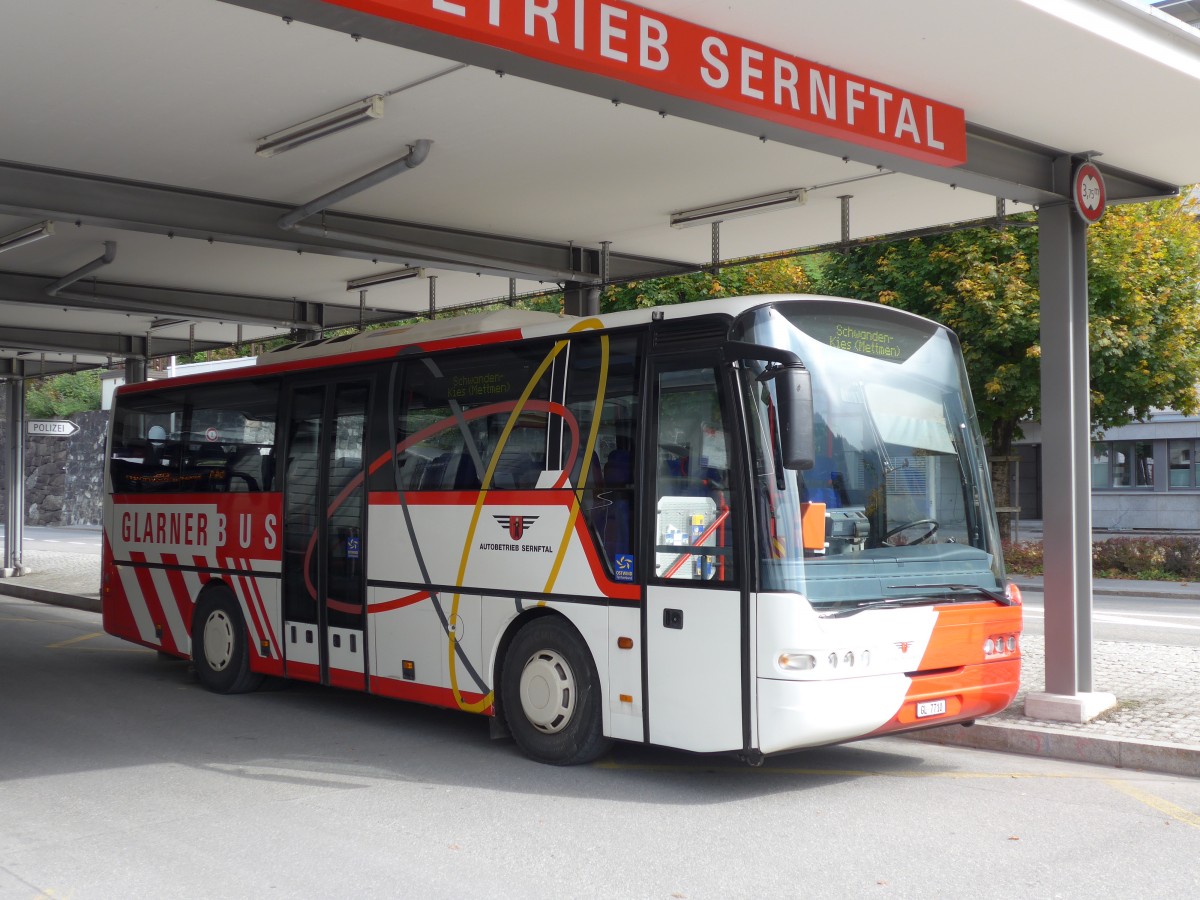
55, 341
36, 192
23, 287
1003, 166
997, 164
18, 369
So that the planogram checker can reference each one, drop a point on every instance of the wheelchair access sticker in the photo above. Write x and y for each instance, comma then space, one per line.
623, 563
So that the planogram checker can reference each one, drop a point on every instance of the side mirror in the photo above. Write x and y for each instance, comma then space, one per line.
793, 388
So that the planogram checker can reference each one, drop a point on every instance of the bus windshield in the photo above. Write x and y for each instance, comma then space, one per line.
899, 475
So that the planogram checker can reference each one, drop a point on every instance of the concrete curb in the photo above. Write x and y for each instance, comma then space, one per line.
1184, 591
53, 598
1157, 595
1069, 746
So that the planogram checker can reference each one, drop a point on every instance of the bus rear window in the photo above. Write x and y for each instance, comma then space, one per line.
195, 440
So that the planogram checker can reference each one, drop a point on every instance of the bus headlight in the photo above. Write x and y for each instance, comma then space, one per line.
797, 661
1001, 645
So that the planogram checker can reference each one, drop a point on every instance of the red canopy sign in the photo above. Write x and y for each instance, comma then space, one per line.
662, 53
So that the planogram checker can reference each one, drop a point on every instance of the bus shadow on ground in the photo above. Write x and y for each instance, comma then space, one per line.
299, 733
85, 702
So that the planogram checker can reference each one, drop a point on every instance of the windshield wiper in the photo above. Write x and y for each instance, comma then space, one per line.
921, 600
1002, 599
889, 603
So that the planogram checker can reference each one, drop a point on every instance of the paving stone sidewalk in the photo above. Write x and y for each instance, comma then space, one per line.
1157, 690
74, 576
1155, 725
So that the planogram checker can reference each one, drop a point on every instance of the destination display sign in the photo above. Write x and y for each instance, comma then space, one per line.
876, 338
652, 50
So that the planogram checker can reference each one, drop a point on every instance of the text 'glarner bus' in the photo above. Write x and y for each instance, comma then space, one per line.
747, 526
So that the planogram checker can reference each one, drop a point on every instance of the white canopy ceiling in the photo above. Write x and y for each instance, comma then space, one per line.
135, 122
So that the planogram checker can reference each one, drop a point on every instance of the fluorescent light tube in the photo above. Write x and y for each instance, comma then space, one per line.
736, 209
330, 123
26, 236
358, 284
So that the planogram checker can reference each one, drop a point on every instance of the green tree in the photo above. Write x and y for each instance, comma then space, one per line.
234, 351
61, 395
779, 276
775, 276
1143, 277
1144, 314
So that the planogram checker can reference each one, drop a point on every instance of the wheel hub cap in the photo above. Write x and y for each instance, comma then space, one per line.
218, 641
547, 691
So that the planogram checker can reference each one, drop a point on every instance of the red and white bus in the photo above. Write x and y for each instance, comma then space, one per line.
748, 525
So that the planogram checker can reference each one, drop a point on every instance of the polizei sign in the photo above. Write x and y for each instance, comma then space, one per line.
52, 427
642, 47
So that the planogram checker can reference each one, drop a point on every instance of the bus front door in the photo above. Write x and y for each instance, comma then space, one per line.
324, 535
694, 657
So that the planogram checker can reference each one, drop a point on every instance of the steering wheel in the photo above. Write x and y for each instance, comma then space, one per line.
931, 525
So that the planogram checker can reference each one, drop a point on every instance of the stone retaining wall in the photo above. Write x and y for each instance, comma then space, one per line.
63, 475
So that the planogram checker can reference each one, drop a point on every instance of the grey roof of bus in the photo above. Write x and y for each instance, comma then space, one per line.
432, 330
532, 324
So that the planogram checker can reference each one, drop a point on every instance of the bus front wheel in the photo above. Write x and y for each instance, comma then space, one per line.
220, 651
550, 694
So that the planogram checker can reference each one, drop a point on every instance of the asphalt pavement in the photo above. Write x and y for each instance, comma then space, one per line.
1154, 727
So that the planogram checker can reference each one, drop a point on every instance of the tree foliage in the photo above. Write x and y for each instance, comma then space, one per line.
983, 285
61, 395
775, 276
780, 276
235, 351
1143, 277
1144, 314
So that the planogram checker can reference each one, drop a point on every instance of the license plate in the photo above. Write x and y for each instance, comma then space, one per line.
931, 708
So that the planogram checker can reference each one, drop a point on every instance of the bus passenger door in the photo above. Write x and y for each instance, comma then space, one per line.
324, 531
693, 639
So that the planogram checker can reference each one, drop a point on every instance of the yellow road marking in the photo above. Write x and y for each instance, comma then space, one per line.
1178, 813
75, 640
71, 642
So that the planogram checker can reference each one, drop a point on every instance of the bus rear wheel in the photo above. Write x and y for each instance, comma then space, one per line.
220, 651
550, 694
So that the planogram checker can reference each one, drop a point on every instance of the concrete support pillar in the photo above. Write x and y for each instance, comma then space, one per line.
135, 369
14, 514
581, 299
1066, 461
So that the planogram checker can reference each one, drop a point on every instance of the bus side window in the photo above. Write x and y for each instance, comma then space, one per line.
303, 463
244, 470
614, 518
603, 471
461, 405
522, 460
694, 492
